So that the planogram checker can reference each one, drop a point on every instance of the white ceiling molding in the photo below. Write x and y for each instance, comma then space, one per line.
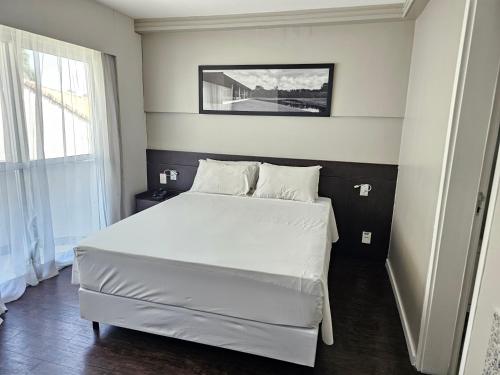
413, 8
371, 13
408, 4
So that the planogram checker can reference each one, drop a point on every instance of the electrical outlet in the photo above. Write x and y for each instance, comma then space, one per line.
163, 178
366, 237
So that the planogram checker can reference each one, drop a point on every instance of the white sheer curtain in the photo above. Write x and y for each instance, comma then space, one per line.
111, 165
59, 155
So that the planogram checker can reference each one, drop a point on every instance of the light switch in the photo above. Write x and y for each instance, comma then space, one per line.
366, 237
163, 178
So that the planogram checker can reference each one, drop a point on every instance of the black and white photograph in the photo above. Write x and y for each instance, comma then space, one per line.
278, 90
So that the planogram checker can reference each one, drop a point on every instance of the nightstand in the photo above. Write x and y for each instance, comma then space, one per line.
145, 200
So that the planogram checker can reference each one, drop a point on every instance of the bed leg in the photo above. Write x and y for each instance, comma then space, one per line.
95, 326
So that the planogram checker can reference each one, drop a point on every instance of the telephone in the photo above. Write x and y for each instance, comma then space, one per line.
159, 195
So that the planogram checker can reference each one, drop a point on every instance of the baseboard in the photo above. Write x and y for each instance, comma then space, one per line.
410, 343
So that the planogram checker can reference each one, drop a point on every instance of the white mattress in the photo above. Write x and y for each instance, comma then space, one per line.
257, 259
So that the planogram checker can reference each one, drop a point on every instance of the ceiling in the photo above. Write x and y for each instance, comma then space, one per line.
190, 8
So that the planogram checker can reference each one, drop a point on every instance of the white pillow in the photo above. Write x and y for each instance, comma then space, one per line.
254, 169
292, 183
220, 178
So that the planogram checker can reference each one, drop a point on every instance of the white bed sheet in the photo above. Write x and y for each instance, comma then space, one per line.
258, 259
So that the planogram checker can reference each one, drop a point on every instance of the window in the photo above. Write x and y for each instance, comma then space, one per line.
62, 85
59, 168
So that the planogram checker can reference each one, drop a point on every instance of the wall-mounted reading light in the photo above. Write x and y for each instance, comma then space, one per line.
168, 174
364, 189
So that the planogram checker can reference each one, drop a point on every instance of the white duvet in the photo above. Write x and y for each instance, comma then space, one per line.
259, 259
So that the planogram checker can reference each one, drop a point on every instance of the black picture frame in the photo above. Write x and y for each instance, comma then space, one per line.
293, 112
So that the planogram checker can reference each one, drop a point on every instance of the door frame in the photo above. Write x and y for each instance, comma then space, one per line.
468, 131
483, 256
478, 231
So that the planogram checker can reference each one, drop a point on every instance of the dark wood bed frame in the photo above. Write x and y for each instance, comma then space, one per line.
354, 213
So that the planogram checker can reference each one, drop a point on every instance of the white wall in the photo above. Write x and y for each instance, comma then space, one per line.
370, 83
92, 25
430, 96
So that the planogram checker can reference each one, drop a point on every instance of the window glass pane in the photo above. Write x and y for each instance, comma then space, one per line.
53, 138
29, 101
76, 104
65, 105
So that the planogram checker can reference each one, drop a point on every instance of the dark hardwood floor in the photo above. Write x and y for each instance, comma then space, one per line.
43, 334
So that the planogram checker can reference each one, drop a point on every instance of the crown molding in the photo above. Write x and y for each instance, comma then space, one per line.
377, 13
413, 8
408, 4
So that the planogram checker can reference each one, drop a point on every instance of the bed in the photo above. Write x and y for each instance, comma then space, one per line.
237, 272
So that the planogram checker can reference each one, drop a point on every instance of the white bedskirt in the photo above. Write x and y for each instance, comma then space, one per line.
291, 344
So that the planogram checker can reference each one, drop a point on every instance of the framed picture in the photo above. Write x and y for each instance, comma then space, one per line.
270, 90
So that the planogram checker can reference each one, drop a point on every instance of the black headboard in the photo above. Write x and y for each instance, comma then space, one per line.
354, 213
